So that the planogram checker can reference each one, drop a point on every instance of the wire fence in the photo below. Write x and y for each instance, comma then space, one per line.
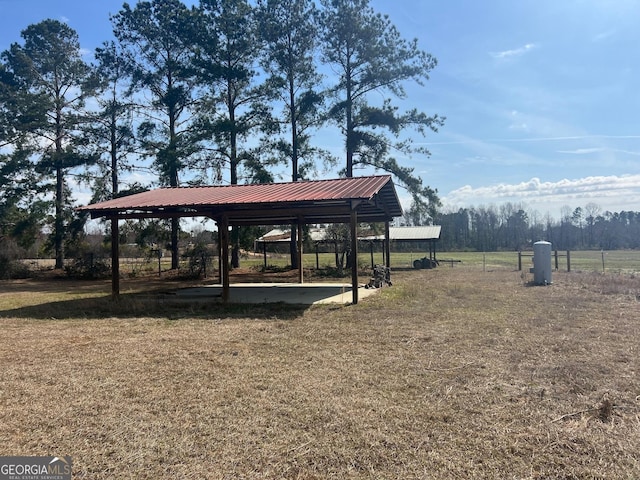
613, 261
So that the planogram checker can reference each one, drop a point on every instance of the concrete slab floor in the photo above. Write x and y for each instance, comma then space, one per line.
293, 293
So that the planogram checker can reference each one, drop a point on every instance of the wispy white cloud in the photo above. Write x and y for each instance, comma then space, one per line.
483, 153
518, 123
516, 52
604, 36
588, 151
536, 139
611, 191
535, 187
628, 152
522, 126
583, 151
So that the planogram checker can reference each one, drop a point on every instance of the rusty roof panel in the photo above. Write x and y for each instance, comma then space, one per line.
339, 189
272, 202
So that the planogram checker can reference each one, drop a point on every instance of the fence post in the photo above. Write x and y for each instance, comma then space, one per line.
568, 261
519, 261
556, 255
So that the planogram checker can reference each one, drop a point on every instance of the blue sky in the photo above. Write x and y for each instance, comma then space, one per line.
539, 95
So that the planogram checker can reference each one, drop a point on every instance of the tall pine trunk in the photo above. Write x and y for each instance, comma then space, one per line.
59, 220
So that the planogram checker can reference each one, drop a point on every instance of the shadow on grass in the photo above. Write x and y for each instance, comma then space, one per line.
150, 305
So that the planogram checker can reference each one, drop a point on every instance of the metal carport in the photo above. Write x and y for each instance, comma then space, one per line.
345, 200
429, 234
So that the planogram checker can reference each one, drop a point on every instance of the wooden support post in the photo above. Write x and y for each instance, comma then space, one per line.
300, 253
354, 256
264, 253
371, 250
384, 252
115, 259
387, 244
223, 233
568, 261
219, 254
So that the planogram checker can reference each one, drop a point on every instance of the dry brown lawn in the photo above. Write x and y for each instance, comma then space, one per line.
450, 373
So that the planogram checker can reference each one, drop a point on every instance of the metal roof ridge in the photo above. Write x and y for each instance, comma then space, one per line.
340, 179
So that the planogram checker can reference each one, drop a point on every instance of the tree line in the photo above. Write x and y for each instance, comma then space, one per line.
512, 227
225, 91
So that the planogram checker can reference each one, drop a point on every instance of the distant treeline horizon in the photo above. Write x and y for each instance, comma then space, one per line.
512, 227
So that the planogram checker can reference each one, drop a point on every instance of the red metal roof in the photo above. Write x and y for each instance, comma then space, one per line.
376, 193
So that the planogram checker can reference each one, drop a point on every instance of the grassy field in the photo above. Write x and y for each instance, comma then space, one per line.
457, 372
616, 261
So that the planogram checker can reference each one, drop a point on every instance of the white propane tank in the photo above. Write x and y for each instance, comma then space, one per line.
542, 263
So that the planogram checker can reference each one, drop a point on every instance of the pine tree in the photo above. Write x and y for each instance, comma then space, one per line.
156, 38
289, 29
369, 56
52, 82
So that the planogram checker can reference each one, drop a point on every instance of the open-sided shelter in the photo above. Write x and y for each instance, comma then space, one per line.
419, 236
345, 200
